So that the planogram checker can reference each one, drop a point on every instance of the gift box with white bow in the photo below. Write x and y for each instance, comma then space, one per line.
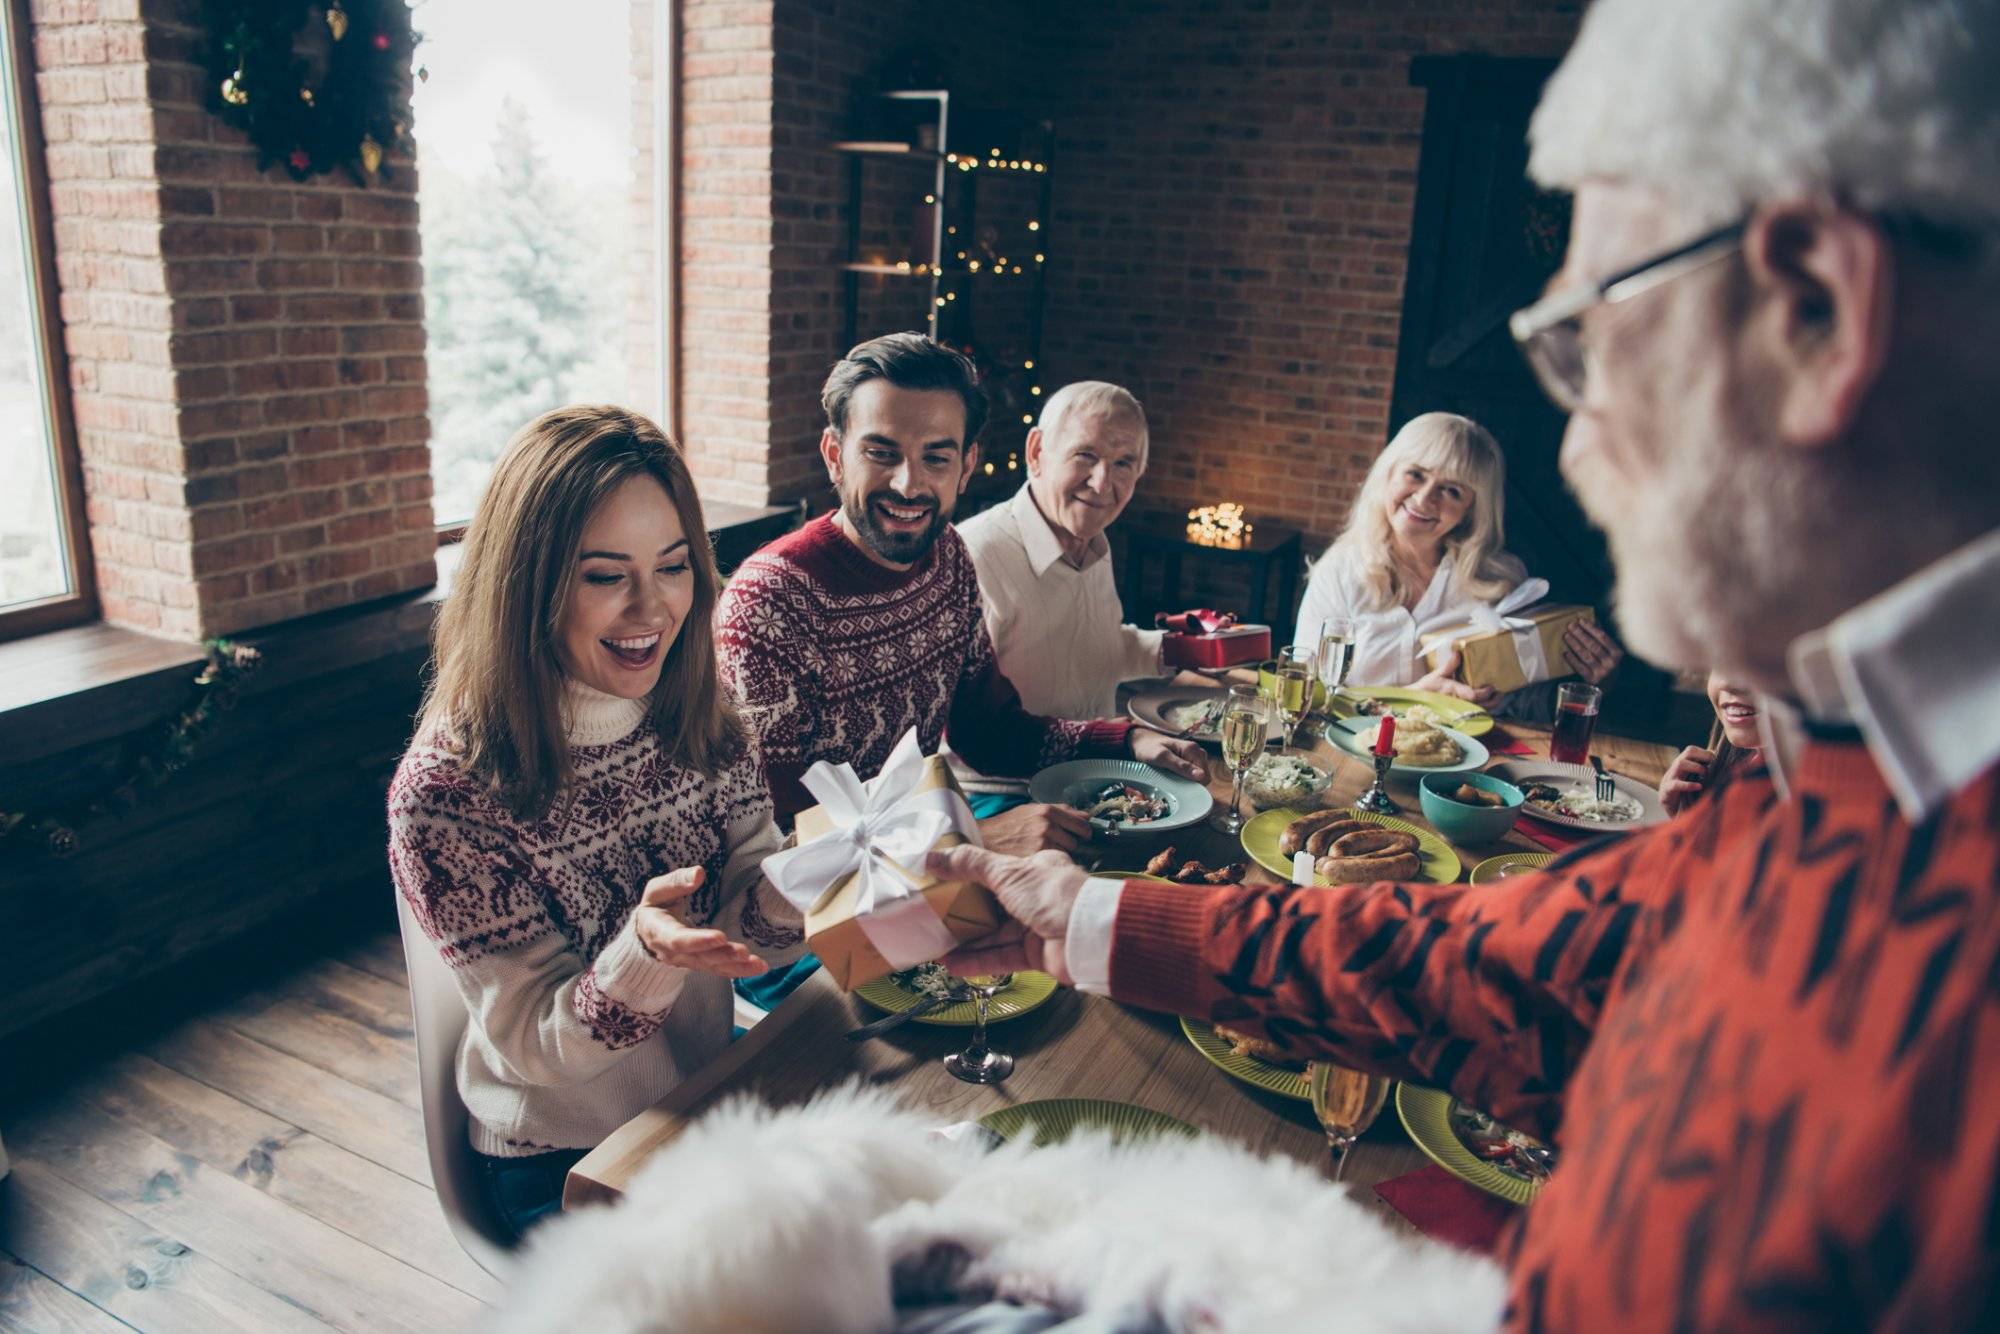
858, 874
1514, 643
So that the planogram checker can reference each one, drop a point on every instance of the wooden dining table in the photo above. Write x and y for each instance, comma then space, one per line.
1074, 1046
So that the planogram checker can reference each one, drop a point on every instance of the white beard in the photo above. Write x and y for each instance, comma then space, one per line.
816, 1218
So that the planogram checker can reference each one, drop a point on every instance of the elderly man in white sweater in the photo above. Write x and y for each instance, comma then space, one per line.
1044, 566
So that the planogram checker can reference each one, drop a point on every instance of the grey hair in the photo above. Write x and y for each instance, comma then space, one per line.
1889, 105
1093, 398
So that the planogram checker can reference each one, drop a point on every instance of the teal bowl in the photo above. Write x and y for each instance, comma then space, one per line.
1462, 822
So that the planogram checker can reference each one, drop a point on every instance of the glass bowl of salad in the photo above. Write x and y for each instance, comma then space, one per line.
1288, 779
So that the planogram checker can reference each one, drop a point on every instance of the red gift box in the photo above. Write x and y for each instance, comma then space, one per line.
1210, 640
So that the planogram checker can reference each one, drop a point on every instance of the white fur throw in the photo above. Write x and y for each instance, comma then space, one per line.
820, 1218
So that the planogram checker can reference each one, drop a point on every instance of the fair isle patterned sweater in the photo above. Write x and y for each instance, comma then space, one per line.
834, 657
574, 1027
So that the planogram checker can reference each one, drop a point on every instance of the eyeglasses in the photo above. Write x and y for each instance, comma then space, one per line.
1550, 332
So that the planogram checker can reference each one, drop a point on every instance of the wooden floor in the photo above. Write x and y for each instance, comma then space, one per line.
260, 1166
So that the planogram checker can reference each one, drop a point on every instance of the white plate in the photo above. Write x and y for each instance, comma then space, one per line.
1566, 776
1156, 708
1063, 784
1362, 748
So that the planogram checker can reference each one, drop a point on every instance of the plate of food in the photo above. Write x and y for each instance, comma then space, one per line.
1472, 1146
1566, 795
1349, 846
1123, 796
906, 990
1424, 745
1193, 710
1509, 864
1372, 701
1288, 778
1250, 1059
1053, 1120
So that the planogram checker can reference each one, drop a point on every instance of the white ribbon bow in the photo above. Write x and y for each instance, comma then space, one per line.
1524, 632
879, 827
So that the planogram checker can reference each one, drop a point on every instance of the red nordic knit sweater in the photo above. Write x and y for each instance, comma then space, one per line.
1765, 1038
834, 657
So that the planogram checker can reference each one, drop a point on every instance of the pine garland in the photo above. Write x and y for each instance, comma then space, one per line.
317, 87
215, 691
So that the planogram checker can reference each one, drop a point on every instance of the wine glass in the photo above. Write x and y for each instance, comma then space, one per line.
1246, 724
979, 1063
1346, 1103
1335, 658
1295, 682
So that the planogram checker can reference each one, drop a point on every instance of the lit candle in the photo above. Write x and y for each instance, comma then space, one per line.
1385, 736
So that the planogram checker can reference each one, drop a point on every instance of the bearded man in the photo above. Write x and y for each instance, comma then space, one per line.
1765, 1038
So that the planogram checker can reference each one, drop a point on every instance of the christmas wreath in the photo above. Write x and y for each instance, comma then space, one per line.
317, 87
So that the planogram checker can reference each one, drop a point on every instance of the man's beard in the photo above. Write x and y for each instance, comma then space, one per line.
895, 547
1724, 554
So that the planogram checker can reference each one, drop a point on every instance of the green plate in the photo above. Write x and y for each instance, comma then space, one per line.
1261, 1074
1426, 1114
1054, 1120
1470, 718
1028, 991
1261, 833
1508, 863
1362, 748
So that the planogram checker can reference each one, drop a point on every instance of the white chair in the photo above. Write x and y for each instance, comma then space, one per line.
438, 1014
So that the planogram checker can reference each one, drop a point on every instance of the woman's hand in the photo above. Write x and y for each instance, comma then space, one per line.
1443, 682
1685, 778
1593, 653
672, 941
1176, 755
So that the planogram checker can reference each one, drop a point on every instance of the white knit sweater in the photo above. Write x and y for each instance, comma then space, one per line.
574, 1028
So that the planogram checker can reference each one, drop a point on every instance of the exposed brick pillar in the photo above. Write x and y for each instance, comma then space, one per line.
246, 352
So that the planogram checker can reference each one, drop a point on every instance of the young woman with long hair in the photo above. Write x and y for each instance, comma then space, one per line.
1425, 540
580, 821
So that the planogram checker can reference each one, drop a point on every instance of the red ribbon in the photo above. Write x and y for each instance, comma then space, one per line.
1200, 621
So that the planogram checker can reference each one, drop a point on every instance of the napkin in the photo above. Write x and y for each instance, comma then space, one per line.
1502, 742
1439, 1205
1555, 840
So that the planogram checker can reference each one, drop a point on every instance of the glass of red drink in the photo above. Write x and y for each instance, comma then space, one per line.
1576, 718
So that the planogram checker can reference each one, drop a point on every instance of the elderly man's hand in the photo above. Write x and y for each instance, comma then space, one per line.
1037, 892
1173, 754
1028, 829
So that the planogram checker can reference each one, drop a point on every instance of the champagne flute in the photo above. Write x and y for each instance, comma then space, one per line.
1295, 680
1346, 1103
1245, 727
979, 1063
1336, 657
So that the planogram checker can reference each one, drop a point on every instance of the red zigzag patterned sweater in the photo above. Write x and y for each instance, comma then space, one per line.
574, 1027
834, 657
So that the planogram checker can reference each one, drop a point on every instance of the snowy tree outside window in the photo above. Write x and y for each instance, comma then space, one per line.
526, 191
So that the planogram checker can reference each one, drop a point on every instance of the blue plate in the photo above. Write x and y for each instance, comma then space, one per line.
1073, 782
1361, 748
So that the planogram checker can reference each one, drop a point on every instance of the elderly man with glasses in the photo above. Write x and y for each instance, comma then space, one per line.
1765, 1038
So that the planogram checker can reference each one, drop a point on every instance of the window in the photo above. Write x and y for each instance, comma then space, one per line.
44, 563
536, 199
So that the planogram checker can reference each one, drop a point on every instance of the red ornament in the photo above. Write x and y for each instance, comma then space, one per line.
381, 41
300, 159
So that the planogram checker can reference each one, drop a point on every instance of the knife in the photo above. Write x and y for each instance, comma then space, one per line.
894, 1021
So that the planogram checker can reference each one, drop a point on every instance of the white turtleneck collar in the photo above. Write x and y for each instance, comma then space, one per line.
593, 718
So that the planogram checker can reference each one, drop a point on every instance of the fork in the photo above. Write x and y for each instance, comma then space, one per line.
1607, 791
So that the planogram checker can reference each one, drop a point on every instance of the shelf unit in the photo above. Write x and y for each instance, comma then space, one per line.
952, 251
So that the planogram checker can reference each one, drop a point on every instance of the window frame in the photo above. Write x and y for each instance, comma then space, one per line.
667, 130
31, 167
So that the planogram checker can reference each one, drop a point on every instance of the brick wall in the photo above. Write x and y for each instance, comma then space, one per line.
246, 353
1232, 219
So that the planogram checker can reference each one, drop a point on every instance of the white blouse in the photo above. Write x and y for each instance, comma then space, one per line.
1386, 638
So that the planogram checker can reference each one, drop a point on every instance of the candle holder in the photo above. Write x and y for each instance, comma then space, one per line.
1376, 798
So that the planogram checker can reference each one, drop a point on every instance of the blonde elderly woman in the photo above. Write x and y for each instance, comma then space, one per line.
1423, 545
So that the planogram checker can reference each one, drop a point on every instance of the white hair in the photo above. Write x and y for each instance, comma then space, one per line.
1091, 398
1890, 105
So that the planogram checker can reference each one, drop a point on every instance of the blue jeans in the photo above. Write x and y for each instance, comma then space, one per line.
524, 1191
